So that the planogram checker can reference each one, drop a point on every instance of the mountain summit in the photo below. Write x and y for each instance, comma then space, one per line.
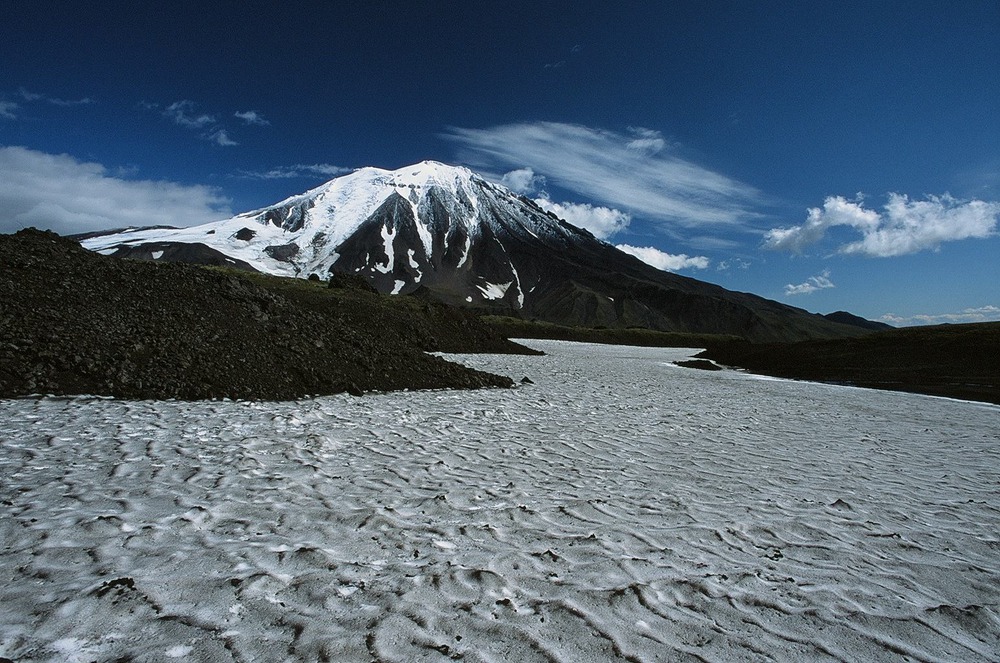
447, 233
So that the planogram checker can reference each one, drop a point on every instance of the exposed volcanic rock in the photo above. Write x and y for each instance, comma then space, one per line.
193, 254
466, 241
960, 361
74, 322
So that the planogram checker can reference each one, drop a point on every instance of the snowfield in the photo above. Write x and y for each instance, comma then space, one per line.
619, 508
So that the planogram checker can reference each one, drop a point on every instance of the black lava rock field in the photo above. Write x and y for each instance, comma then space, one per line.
75, 322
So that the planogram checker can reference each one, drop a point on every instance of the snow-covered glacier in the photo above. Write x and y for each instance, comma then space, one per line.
616, 508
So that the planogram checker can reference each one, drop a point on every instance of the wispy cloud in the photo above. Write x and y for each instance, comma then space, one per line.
298, 170
601, 221
812, 284
56, 101
662, 260
559, 64
184, 114
252, 117
731, 263
644, 179
904, 226
61, 193
646, 140
220, 137
981, 314
8, 110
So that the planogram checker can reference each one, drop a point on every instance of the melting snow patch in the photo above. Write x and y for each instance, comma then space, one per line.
399, 286
180, 651
157, 255
494, 290
414, 264
387, 236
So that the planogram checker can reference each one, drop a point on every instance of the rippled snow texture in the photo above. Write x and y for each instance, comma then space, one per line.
619, 508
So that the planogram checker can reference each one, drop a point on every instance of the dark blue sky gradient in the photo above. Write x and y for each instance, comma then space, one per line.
798, 100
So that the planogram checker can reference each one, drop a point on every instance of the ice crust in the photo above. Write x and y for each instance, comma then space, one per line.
618, 508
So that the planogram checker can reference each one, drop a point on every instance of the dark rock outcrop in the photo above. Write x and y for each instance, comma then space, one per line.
959, 361
74, 322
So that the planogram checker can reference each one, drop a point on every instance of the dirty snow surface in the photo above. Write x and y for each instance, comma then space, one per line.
619, 508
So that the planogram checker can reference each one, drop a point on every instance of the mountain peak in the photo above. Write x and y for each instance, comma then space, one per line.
427, 173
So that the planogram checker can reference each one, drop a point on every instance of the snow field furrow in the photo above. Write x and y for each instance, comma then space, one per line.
619, 508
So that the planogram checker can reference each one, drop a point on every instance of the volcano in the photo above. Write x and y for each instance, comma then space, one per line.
445, 233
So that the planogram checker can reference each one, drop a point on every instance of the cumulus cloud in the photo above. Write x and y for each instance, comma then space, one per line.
665, 261
601, 221
904, 226
252, 117
643, 179
183, 113
61, 193
523, 181
987, 313
812, 284
297, 170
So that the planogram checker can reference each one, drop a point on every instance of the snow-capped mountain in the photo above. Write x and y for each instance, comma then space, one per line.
454, 236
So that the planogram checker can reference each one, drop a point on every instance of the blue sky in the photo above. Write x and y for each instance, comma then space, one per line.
831, 155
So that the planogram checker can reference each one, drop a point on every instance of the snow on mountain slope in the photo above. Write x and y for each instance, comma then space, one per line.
400, 228
450, 233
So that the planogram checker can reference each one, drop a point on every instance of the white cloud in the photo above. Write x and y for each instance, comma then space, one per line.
601, 221
252, 117
28, 96
523, 181
904, 227
183, 113
812, 284
7, 110
58, 192
665, 261
602, 166
220, 137
85, 101
646, 140
738, 263
981, 314
56, 101
297, 170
